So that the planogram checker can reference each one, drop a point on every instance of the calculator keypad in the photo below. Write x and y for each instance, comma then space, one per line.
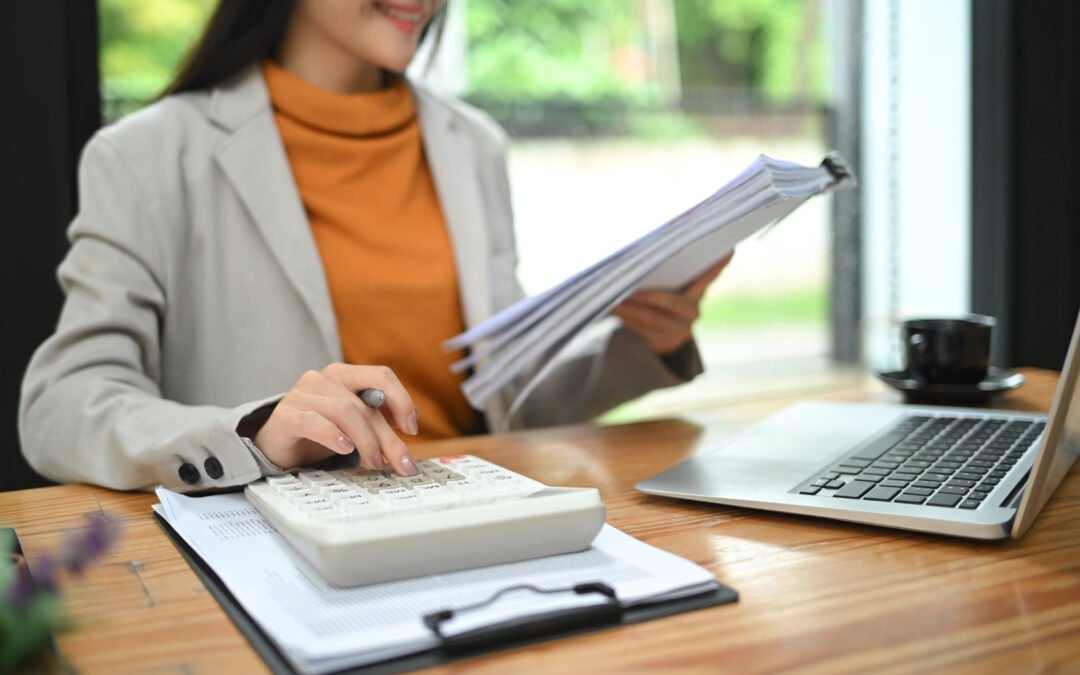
359, 494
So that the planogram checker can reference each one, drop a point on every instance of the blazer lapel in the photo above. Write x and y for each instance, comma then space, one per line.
454, 168
254, 162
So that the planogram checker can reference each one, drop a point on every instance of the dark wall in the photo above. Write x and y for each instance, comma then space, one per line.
1025, 203
1045, 208
51, 107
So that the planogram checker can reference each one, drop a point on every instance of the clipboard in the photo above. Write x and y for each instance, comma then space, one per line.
563, 624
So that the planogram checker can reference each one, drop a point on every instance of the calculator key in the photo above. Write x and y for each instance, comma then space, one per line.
502, 479
384, 486
463, 485
351, 499
405, 503
468, 464
332, 490
366, 477
286, 479
313, 477
314, 504
432, 491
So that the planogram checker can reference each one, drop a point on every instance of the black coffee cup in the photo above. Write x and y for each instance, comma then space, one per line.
948, 350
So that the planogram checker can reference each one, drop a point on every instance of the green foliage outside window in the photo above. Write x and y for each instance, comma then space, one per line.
143, 42
557, 49
578, 50
774, 46
581, 49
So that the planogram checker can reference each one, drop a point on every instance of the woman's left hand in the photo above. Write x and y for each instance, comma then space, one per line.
664, 318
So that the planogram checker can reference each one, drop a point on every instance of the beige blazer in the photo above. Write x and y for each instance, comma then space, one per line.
195, 294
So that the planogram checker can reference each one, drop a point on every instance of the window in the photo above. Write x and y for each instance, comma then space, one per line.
622, 114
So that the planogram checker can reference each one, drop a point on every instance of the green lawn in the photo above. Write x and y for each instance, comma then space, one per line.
749, 311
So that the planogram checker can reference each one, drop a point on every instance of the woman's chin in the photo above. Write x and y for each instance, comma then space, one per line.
398, 65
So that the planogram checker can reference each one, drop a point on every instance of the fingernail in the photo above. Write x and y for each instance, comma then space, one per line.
377, 462
412, 427
345, 444
410, 466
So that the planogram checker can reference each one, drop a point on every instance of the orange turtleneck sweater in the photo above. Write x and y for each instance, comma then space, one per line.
359, 166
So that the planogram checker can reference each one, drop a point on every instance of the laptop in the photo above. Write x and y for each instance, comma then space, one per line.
972, 473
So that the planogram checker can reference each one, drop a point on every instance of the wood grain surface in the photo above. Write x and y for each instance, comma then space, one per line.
816, 596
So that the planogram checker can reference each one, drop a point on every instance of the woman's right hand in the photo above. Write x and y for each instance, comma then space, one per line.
322, 414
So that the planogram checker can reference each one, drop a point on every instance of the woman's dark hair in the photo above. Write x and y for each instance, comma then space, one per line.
243, 32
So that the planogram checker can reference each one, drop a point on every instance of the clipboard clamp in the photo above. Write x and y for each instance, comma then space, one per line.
529, 626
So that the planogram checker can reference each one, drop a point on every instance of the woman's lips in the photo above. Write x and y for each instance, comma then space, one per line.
404, 17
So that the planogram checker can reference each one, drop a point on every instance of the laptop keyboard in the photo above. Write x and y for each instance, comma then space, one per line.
951, 462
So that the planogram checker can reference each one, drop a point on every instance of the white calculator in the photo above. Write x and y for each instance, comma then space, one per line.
358, 526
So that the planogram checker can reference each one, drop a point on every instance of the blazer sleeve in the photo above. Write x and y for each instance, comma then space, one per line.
92, 409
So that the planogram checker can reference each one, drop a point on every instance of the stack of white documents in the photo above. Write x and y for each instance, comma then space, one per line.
523, 340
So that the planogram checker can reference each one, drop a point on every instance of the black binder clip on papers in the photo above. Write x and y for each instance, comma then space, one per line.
532, 626
836, 165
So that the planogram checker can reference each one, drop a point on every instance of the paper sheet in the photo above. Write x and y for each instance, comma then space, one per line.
321, 628
518, 342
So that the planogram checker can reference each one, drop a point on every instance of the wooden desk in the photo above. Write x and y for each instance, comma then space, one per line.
817, 596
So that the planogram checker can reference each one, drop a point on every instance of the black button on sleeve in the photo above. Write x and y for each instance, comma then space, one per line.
188, 473
213, 468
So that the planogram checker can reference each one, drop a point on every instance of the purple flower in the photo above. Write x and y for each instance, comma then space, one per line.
84, 546
21, 590
44, 574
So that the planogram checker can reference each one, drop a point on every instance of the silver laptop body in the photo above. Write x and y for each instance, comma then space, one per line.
776, 464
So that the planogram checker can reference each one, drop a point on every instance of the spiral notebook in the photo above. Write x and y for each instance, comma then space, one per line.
299, 623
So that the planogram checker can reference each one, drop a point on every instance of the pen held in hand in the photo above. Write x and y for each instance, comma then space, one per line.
373, 398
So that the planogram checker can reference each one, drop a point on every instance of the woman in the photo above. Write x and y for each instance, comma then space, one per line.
294, 216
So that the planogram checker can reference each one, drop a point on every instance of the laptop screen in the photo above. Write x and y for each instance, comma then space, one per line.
1061, 441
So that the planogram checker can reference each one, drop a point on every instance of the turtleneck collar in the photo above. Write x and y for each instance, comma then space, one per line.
373, 113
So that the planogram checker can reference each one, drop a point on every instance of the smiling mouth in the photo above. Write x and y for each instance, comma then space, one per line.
404, 13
